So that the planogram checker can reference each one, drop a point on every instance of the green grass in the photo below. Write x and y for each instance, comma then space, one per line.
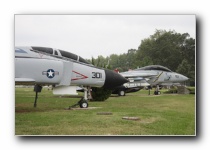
159, 115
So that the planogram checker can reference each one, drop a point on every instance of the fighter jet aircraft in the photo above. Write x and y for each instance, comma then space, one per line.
154, 75
41, 66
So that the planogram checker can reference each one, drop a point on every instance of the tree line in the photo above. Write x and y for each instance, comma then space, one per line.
173, 50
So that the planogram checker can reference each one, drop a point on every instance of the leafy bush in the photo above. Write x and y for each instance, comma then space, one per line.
172, 90
191, 89
100, 94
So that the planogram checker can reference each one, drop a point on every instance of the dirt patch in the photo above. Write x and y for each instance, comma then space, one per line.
23, 111
104, 113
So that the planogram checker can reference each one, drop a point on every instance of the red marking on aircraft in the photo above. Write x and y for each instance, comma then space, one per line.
80, 77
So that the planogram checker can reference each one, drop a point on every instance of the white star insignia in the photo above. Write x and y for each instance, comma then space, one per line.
50, 74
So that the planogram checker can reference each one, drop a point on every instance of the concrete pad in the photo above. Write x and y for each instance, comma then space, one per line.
78, 108
104, 113
131, 118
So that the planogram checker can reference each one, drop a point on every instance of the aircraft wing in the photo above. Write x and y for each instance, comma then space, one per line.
170, 84
139, 74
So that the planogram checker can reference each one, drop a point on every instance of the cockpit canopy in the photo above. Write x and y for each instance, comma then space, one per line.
65, 54
155, 67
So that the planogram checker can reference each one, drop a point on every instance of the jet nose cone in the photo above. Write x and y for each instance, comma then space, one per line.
113, 79
185, 78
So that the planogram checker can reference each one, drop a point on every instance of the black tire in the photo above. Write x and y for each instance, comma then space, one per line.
121, 93
157, 92
83, 104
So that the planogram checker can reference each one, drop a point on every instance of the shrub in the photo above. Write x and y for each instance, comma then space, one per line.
172, 90
191, 89
100, 94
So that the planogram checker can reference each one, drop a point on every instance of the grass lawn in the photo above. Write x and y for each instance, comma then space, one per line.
166, 114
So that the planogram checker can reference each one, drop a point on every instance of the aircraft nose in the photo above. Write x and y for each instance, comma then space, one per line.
185, 78
113, 79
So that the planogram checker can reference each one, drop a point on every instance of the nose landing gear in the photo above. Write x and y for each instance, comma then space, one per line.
83, 102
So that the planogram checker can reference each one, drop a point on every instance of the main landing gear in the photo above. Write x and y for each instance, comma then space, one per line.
157, 92
37, 89
83, 102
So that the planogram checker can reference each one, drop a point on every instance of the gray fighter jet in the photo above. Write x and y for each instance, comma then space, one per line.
41, 66
154, 75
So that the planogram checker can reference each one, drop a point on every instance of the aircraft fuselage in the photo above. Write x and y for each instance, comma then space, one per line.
36, 66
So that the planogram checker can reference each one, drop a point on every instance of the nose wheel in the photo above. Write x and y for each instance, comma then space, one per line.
83, 102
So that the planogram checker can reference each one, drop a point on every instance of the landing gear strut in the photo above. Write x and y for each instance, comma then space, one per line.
37, 89
157, 92
149, 88
83, 102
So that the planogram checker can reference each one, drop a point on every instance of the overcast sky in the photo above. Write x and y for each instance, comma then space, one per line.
93, 35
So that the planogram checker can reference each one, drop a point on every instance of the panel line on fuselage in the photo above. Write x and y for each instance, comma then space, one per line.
158, 76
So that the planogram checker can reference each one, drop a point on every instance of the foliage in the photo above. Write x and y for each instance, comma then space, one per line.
191, 89
172, 90
188, 70
100, 94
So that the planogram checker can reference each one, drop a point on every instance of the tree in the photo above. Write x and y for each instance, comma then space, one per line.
169, 49
188, 70
131, 59
145, 62
163, 48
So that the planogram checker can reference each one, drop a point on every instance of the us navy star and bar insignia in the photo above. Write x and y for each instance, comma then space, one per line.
50, 73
